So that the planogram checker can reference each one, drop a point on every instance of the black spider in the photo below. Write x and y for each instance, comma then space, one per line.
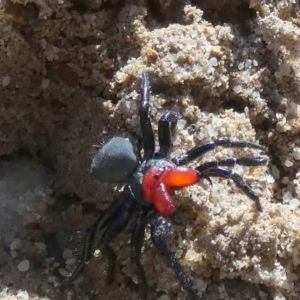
147, 196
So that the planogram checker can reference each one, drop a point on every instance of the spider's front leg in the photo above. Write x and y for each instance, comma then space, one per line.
146, 127
200, 150
214, 169
159, 228
166, 125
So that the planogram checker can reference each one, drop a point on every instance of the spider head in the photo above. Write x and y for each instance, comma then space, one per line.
115, 161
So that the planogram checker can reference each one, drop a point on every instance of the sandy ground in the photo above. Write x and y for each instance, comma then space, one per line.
70, 75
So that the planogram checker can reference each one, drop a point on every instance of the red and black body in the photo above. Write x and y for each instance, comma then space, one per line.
148, 194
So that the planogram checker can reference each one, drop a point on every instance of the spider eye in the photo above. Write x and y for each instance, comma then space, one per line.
115, 161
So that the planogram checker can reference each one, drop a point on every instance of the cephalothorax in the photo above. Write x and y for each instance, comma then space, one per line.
148, 195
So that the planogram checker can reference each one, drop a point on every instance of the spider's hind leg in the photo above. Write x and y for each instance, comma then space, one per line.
117, 224
85, 256
110, 223
137, 240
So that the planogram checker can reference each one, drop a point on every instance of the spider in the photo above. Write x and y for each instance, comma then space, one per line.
147, 197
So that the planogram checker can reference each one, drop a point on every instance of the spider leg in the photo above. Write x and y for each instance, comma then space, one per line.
119, 222
166, 124
209, 146
230, 162
159, 228
238, 180
121, 205
85, 256
137, 239
146, 127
